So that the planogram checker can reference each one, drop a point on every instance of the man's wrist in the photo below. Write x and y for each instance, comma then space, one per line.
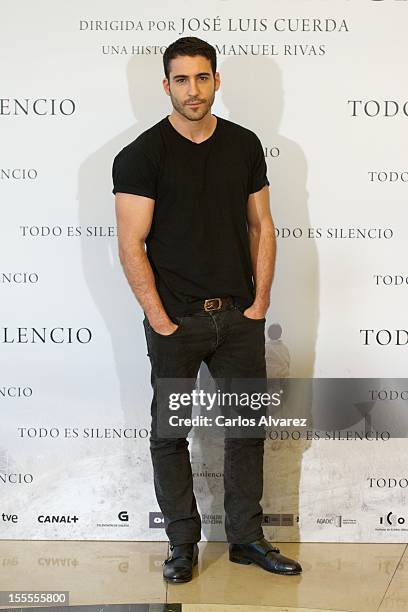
260, 307
158, 318
162, 323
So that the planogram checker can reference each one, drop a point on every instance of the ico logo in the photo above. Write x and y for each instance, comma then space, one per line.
392, 519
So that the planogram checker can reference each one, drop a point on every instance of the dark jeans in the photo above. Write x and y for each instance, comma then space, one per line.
231, 345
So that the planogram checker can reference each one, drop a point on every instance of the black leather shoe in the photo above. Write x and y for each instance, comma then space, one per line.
263, 554
179, 566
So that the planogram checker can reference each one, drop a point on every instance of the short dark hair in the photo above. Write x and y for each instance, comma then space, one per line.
189, 45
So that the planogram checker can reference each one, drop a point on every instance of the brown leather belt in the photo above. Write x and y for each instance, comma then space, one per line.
212, 304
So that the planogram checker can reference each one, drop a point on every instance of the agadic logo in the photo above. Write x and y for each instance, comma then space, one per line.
335, 520
329, 520
57, 518
392, 519
156, 520
123, 516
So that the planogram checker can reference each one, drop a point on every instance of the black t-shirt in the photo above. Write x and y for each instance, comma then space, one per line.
198, 243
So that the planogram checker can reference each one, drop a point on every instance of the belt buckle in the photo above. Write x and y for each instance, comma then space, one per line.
208, 304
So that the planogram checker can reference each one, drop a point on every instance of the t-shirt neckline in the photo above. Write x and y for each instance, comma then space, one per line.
196, 144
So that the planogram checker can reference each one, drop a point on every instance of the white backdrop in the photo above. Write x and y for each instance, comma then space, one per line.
322, 84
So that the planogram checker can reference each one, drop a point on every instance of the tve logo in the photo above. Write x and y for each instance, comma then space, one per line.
9, 518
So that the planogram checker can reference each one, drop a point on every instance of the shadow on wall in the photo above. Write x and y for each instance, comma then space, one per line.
252, 92
108, 286
101, 266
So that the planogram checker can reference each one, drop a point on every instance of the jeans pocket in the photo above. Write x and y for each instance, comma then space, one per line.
175, 333
241, 312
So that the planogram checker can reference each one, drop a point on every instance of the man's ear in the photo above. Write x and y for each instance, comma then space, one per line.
166, 86
217, 80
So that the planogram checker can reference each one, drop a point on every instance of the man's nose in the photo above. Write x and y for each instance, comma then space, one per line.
193, 89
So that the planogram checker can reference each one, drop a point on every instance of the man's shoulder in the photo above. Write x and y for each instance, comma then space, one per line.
147, 142
239, 131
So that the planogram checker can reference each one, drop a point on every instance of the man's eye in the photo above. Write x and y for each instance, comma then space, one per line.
203, 78
179, 80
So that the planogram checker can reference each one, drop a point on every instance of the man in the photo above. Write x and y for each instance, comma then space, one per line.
193, 189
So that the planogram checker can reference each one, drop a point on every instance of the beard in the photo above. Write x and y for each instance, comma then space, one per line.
193, 114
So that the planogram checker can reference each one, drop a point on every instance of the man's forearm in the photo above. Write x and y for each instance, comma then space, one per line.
262, 244
140, 276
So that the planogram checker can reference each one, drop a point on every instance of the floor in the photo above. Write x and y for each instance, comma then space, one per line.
336, 577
